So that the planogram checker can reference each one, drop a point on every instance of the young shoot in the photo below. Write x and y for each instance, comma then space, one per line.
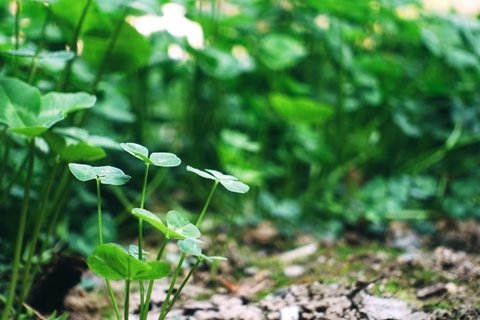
101, 175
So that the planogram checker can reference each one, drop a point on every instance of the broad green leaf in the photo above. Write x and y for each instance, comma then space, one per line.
156, 270
160, 159
165, 159
82, 152
201, 173
235, 186
113, 262
157, 223
82, 172
106, 174
279, 51
178, 222
190, 246
136, 150
25, 112
300, 110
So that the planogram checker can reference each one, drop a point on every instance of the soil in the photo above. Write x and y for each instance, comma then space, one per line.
410, 278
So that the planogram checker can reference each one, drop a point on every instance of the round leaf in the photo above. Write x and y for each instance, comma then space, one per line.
165, 159
157, 223
82, 172
106, 174
136, 150
235, 186
111, 175
178, 222
190, 246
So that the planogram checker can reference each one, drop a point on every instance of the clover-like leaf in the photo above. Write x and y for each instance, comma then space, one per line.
201, 173
159, 159
230, 183
190, 246
158, 224
179, 222
106, 174
165, 159
113, 262
136, 150
26, 112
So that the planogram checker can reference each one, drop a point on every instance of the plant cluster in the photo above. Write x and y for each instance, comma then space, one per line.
113, 262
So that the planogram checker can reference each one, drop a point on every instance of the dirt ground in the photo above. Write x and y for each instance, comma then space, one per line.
405, 277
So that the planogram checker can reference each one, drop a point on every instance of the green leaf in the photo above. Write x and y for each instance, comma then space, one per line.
279, 51
201, 173
113, 262
157, 223
160, 159
82, 152
156, 270
178, 222
25, 112
136, 150
300, 110
165, 159
106, 174
190, 246
230, 183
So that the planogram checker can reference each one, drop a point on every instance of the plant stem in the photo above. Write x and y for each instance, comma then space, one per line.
29, 276
146, 305
73, 45
33, 66
108, 51
112, 298
99, 212
16, 27
184, 283
20, 233
100, 241
140, 232
165, 304
127, 299
207, 203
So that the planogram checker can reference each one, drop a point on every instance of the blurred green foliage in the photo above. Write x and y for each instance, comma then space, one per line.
337, 112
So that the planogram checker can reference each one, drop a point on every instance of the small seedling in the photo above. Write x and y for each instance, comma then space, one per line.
102, 175
159, 159
113, 262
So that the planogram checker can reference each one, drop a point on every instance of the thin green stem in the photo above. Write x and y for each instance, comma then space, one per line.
166, 306
100, 241
140, 232
59, 198
20, 234
99, 212
29, 276
108, 51
16, 174
112, 298
34, 64
148, 298
73, 45
207, 203
127, 299
16, 27
164, 310
183, 284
